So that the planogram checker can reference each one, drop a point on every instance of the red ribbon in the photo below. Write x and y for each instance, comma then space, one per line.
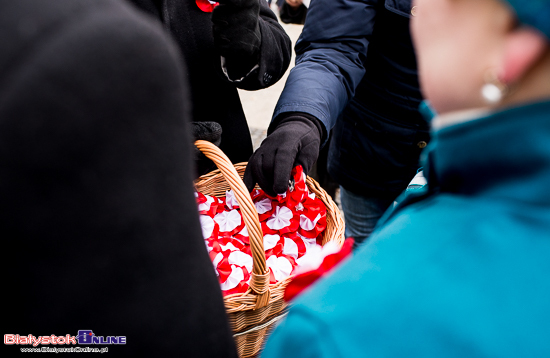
300, 191
304, 280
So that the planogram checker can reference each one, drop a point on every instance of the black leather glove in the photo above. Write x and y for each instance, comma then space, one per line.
237, 34
295, 140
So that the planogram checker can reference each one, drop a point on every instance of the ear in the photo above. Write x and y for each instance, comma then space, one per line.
523, 48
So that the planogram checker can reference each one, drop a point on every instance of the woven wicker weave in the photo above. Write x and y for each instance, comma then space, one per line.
253, 313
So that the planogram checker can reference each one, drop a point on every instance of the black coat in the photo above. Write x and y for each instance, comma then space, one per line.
98, 223
214, 97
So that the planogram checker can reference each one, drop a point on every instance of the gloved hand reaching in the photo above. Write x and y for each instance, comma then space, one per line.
237, 34
295, 140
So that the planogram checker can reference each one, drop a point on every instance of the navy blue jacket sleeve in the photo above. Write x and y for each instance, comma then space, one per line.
330, 56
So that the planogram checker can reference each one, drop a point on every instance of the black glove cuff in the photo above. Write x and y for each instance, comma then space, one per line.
238, 68
306, 118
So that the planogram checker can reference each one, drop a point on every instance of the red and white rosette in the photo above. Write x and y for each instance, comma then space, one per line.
233, 268
282, 221
313, 218
280, 267
208, 205
299, 192
239, 278
230, 200
270, 241
294, 246
265, 208
210, 228
230, 222
237, 281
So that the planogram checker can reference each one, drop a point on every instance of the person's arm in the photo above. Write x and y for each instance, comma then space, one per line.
329, 65
255, 49
330, 57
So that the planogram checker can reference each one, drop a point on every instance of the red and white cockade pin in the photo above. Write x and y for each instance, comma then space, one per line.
206, 5
230, 222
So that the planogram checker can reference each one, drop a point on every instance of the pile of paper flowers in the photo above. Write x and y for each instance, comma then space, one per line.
292, 225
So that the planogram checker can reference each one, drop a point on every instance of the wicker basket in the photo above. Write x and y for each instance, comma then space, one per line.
253, 314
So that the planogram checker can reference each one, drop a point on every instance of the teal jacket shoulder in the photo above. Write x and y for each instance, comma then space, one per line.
461, 273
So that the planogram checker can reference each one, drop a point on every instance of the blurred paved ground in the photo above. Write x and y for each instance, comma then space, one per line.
259, 105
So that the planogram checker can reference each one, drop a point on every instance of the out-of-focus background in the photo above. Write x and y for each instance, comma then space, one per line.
259, 105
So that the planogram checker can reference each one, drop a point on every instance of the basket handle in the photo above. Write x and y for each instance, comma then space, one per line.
259, 282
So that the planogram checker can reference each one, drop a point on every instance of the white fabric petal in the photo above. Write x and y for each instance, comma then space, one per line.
309, 242
207, 247
217, 259
228, 220
280, 218
241, 259
270, 241
263, 206
206, 206
207, 226
312, 196
307, 224
236, 276
315, 256
299, 207
311, 260
290, 248
244, 232
229, 246
280, 266
330, 248
231, 200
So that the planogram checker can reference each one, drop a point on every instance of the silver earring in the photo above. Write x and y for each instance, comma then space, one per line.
494, 89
